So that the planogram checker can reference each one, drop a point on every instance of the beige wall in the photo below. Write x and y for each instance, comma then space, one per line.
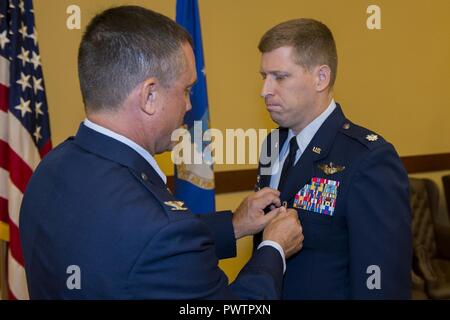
395, 81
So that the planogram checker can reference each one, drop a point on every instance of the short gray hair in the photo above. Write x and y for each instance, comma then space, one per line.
122, 47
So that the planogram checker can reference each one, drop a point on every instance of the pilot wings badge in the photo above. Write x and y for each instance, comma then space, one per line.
176, 205
331, 168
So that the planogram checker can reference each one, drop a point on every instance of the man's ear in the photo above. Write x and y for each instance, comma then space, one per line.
323, 77
148, 96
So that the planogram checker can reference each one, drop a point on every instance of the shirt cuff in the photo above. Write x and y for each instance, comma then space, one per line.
276, 246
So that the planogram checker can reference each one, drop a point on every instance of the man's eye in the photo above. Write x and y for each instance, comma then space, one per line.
281, 77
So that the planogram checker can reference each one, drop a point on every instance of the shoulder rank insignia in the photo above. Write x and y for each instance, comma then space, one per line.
176, 205
330, 168
372, 137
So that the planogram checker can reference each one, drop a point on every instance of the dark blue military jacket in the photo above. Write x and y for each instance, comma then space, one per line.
351, 193
96, 206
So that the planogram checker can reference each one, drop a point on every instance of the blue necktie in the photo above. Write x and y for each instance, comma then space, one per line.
288, 163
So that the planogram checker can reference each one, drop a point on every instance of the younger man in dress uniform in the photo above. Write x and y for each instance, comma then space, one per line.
346, 182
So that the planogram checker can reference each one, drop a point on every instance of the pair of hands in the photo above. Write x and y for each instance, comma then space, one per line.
280, 224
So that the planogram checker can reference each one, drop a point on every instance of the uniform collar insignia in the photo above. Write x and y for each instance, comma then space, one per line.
331, 168
176, 205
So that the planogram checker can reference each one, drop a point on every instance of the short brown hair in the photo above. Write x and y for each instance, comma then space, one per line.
312, 41
122, 47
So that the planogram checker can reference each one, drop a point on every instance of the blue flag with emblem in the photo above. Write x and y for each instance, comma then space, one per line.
194, 183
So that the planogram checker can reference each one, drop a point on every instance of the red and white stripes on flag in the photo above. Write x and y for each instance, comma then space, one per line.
24, 126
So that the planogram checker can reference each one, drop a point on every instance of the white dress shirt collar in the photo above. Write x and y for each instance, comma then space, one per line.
305, 136
303, 139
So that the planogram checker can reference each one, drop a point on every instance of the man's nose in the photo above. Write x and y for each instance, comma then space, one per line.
266, 88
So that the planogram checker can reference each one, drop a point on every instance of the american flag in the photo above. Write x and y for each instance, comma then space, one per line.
24, 126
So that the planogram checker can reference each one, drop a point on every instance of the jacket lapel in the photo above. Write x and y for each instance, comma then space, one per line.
109, 148
264, 169
305, 167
